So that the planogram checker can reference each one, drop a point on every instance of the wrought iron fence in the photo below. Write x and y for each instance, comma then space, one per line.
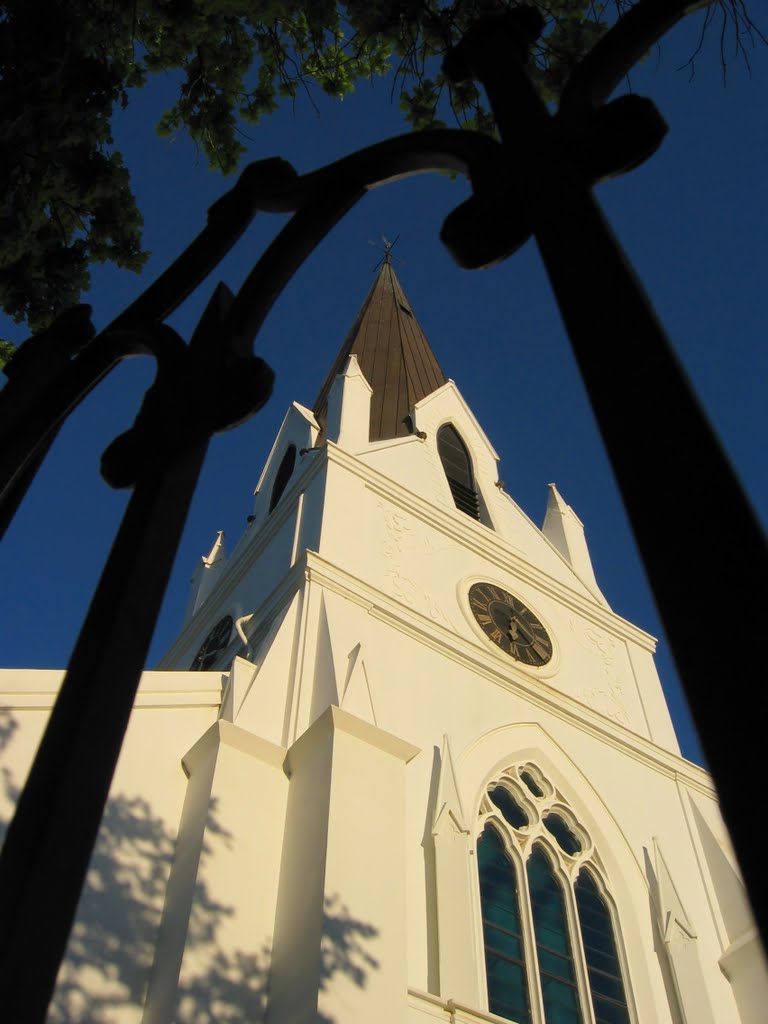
534, 180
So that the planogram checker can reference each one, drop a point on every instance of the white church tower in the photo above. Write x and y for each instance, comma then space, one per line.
403, 762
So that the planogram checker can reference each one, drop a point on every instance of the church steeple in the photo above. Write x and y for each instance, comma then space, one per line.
394, 357
423, 760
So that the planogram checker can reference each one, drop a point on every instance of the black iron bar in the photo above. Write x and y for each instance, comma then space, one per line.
699, 539
49, 842
33, 405
628, 40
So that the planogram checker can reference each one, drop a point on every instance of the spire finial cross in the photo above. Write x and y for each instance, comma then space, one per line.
386, 248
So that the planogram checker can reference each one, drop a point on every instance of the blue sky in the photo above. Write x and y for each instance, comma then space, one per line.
693, 221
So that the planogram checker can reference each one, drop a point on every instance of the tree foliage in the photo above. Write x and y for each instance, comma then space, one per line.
66, 200
6, 351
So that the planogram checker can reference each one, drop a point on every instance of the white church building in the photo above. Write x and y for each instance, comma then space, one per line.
403, 764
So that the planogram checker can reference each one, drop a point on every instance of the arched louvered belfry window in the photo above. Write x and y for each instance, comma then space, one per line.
458, 469
283, 475
551, 951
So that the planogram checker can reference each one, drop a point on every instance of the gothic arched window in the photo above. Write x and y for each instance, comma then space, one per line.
551, 952
458, 469
283, 475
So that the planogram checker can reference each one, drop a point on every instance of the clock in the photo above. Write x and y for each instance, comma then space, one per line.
213, 645
509, 624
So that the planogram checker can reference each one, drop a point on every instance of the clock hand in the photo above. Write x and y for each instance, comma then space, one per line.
516, 628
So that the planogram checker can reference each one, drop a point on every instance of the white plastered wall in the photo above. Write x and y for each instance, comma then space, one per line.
111, 949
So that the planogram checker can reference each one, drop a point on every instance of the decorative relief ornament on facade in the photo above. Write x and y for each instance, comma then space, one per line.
607, 698
607, 701
403, 533
397, 527
416, 597
401, 537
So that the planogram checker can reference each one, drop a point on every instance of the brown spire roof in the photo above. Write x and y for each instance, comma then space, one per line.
393, 354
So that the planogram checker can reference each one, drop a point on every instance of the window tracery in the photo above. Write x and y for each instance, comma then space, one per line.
549, 931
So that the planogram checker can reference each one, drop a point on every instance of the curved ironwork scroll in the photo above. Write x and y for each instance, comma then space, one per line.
53, 372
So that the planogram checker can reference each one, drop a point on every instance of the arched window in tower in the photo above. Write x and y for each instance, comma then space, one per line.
552, 955
458, 469
283, 475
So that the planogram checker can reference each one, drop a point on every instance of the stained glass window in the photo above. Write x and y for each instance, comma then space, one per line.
553, 944
531, 783
566, 840
605, 981
504, 957
509, 807
535, 971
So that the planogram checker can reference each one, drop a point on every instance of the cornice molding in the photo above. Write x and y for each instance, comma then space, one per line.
475, 536
37, 689
488, 545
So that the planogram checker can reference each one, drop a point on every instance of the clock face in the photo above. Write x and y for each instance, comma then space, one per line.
213, 645
508, 623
